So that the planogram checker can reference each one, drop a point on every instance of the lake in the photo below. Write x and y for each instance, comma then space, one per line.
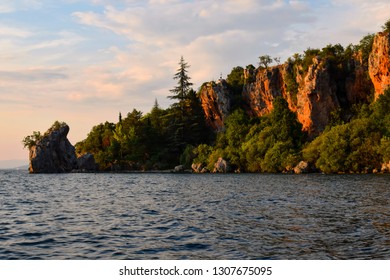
193, 216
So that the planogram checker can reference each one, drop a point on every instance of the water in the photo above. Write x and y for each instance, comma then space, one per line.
185, 216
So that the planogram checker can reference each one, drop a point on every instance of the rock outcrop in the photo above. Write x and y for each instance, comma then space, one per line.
320, 89
215, 100
358, 85
379, 63
199, 168
317, 97
260, 94
53, 153
221, 166
87, 163
303, 167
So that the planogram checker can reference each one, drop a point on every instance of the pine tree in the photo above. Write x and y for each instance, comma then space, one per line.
183, 87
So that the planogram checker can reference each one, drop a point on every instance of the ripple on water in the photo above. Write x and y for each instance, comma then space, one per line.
176, 216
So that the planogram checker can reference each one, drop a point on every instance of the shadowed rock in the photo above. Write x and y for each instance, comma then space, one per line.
53, 153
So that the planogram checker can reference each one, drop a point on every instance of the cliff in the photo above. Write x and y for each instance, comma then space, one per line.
314, 88
268, 84
379, 63
215, 100
53, 153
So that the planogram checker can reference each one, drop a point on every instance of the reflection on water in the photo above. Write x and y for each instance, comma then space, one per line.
171, 216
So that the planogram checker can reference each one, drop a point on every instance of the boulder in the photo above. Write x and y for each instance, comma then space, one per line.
179, 169
87, 163
385, 167
302, 167
197, 167
221, 166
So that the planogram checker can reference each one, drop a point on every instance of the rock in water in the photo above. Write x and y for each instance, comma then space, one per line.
53, 153
221, 166
86, 163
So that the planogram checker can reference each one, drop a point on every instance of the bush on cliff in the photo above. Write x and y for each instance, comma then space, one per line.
361, 145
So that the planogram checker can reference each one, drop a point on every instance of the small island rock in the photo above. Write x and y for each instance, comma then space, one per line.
53, 153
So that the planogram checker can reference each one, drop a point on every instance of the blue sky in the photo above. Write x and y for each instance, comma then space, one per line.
84, 61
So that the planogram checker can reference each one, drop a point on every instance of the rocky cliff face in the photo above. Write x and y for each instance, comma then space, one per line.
260, 94
315, 98
53, 153
358, 84
215, 99
319, 90
379, 63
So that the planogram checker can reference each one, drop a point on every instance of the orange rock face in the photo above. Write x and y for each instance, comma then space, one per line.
315, 99
320, 89
260, 94
215, 99
379, 63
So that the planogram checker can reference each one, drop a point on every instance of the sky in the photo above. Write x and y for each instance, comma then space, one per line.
84, 61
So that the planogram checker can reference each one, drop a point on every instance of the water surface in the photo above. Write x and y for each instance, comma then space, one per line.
192, 216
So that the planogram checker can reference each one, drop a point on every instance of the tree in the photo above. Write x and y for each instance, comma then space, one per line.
365, 47
285, 124
386, 26
265, 60
183, 87
236, 82
31, 140
236, 79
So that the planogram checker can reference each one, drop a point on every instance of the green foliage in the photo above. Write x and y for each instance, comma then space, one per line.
236, 83
273, 144
384, 149
386, 26
183, 87
57, 125
308, 56
265, 60
381, 113
336, 118
31, 140
361, 145
236, 78
348, 147
291, 81
188, 156
267, 144
160, 139
279, 158
365, 47
202, 154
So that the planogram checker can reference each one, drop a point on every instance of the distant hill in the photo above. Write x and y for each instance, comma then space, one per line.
13, 164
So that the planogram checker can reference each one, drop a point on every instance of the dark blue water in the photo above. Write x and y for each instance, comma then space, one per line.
171, 216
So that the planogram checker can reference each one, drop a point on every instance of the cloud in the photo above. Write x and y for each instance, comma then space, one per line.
9, 6
35, 75
208, 31
7, 31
